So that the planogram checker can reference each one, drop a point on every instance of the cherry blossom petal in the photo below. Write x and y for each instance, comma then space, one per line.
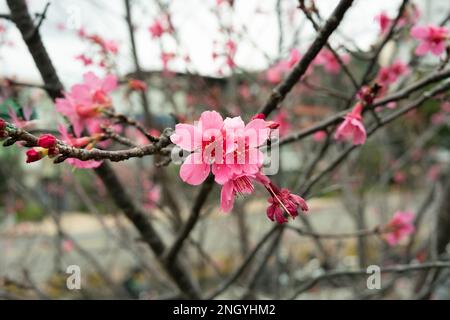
194, 171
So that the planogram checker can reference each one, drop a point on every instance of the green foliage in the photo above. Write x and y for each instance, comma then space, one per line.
31, 212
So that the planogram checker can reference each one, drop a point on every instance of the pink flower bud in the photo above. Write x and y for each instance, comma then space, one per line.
47, 141
33, 155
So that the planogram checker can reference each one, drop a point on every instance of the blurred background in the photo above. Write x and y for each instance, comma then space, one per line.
224, 56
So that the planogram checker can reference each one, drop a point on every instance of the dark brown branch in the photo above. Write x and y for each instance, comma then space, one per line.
21, 17
329, 47
334, 119
240, 270
5, 16
280, 92
385, 40
415, 104
23, 21
137, 66
66, 151
145, 228
310, 282
42, 17
192, 220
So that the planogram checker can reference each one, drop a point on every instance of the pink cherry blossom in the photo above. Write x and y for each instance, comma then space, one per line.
432, 39
239, 184
242, 155
275, 73
294, 57
85, 59
24, 123
400, 226
156, 29
283, 201
352, 127
84, 103
204, 139
384, 21
327, 59
230, 149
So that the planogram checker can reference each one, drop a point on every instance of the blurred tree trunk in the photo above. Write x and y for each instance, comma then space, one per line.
428, 280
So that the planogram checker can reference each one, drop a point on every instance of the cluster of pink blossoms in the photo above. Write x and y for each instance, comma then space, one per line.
230, 150
325, 58
390, 74
329, 62
352, 128
400, 226
100, 57
432, 39
83, 106
410, 16
84, 103
275, 73
160, 26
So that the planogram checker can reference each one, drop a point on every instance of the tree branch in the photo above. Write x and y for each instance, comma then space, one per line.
280, 92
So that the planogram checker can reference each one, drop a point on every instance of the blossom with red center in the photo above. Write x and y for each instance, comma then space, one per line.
156, 29
367, 94
329, 62
230, 150
85, 102
400, 226
282, 202
384, 22
352, 127
79, 142
137, 85
238, 185
432, 39
242, 142
203, 139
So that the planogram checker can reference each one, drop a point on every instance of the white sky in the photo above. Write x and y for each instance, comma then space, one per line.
197, 27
